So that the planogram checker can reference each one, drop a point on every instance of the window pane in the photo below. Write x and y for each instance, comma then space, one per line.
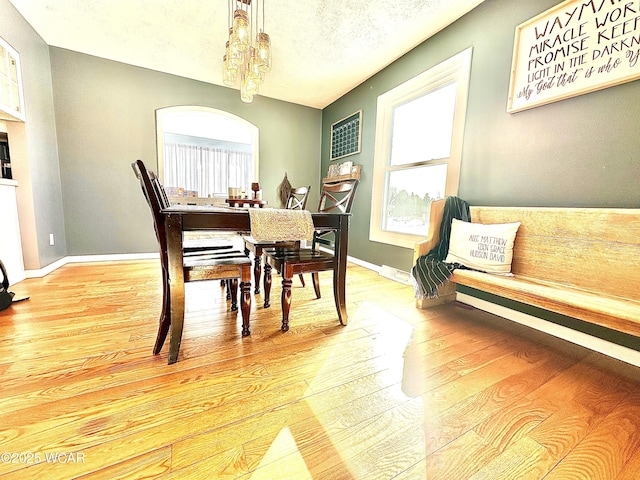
422, 128
408, 198
206, 171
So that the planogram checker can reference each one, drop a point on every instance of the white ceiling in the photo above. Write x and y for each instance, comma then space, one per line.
321, 48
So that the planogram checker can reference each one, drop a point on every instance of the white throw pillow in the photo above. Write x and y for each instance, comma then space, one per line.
488, 248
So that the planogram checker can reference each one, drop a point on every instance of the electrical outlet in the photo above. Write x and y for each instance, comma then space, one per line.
52, 240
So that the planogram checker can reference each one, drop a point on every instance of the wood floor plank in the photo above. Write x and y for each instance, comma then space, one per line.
631, 471
524, 459
150, 465
227, 464
564, 429
512, 423
448, 425
607, 448
255, 432
348, 444
102, 446
314, 427
402, 448
450, 392
461, 458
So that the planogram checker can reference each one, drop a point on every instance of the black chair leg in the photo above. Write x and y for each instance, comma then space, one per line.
234, 294
267, 285
286, 303
163, 330
316, 283
165, 315
245, 292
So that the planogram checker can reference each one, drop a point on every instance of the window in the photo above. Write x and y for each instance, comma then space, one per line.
202, 151
419, 128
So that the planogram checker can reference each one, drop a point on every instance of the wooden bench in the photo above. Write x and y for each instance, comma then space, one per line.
579, 262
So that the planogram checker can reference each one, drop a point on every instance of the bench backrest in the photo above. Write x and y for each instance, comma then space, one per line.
596, 249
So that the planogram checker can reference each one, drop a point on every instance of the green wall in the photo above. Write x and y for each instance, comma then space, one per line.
105, 118
583, 151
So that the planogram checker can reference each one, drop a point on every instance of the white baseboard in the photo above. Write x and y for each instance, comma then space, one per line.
357, 261
140, 256
362, 263
137, 256
88, 258
610, 349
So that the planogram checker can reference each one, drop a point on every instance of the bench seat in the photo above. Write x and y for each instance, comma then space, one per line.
579, 262
617, 313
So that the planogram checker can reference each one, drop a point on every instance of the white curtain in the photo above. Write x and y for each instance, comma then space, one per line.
209, 171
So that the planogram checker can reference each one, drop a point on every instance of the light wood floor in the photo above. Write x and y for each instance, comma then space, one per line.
449, 393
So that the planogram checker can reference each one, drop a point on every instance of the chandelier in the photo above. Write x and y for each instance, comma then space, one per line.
246, 60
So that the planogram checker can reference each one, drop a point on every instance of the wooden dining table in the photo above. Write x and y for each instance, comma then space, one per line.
182, 218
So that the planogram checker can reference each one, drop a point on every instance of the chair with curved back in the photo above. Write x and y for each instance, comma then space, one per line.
334, 197
297, 200
216, 262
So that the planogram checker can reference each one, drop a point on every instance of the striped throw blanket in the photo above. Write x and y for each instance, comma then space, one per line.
430, 270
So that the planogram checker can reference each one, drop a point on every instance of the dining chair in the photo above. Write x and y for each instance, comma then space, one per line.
216, 262
297, 200
189, 246
192, 247
334, 198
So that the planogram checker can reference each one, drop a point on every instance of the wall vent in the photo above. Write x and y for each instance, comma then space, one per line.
395, 274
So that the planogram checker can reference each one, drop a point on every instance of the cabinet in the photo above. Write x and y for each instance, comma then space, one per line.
10, 244
11, 95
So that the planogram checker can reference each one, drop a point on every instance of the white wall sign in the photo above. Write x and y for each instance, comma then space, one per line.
576, 47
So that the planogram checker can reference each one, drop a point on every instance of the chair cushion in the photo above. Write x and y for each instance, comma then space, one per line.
296, 255
267, 243
299, 261
216, 257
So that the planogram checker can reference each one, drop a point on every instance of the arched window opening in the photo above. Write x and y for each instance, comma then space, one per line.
203, 151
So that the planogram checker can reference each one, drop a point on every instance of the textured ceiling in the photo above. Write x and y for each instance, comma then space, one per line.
321, 48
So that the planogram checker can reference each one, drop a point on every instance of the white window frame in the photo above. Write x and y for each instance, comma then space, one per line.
456, 68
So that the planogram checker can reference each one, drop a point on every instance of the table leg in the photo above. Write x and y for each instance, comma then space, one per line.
257, 269
340, 274
173, 225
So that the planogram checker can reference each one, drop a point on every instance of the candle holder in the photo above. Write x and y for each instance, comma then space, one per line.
255, 186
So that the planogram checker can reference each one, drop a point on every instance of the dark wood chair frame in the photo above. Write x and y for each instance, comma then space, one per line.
193, 249
200, 263
334, 197
198, 247
297, 200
